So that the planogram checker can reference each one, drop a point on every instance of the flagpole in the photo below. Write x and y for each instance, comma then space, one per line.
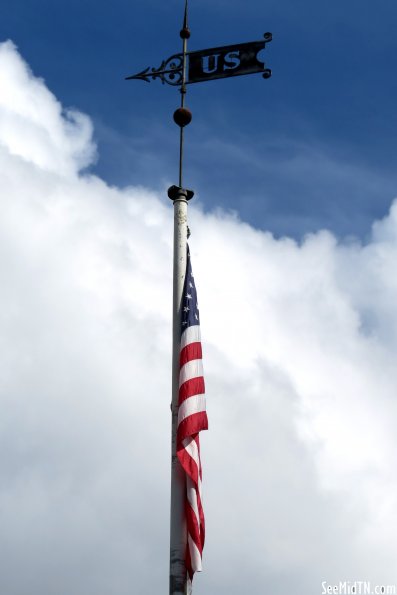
203, 65
178, 579
178, 534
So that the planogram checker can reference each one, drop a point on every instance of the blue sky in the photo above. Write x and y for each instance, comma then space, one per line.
312, 147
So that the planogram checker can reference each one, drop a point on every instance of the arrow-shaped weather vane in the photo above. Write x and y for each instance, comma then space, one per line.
210, 64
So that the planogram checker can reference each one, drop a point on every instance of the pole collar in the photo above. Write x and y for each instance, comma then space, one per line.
176, 192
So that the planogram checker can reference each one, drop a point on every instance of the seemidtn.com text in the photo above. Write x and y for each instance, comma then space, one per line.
357, 588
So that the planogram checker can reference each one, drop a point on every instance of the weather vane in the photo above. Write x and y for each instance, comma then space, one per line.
186, 68
181, 70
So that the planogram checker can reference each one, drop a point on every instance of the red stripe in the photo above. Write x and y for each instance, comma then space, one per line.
194, 386
189, 465
192, 425
202, 522
189, 352
193, 526
188, 462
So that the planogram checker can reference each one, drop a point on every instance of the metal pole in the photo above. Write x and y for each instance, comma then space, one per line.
178, 538
179, 582
185, 34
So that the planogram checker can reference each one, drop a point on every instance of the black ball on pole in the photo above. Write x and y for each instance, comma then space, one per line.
182, 117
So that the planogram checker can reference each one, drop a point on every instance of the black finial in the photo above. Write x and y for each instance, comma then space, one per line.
182, 117
185, 31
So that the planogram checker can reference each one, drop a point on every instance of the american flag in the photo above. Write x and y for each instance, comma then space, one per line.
192, 418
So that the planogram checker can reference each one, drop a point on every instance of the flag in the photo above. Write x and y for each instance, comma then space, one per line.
192, 418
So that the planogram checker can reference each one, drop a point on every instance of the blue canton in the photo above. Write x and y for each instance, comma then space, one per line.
190, 312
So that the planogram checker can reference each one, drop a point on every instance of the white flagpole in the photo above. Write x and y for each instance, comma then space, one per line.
178, 536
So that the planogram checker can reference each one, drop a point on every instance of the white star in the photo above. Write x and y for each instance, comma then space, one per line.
196, 316
186, 309
191, 285
189, 297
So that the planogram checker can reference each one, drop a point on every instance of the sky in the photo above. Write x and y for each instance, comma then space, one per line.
294, 243
312, 147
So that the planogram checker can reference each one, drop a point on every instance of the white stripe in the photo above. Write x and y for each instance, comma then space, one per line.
190, 406
190, 335
190, 445
192, 497
194, 555
192, 369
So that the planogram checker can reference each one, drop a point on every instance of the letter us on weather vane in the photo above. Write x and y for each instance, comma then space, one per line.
210, 64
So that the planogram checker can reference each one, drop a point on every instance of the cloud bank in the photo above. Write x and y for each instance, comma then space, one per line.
299, 351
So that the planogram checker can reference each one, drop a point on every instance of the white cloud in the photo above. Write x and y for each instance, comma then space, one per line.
33, 124
299, 340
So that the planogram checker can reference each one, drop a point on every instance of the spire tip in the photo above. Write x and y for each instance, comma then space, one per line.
185, 31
